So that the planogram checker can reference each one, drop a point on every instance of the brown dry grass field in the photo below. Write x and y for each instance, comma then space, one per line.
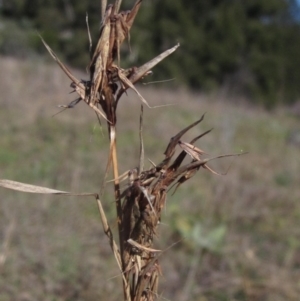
234, 237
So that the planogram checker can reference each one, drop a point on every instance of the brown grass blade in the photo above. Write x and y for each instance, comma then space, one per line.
200, 136
183, 154
142, 151
143, 280
141, 247
114, 161
204, 162
79, 87
131, 16
148, 197
61, 65
117, 6
97, 110
191, 149
108, 164
129, 84
103, 36
205, 166
189, 174
121, 178
121, 33
174, 140
108, 232
103, 8
100, 42
99, 60
142, 70
114, 247
23, 187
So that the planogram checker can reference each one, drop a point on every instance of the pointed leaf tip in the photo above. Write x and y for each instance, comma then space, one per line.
23, 187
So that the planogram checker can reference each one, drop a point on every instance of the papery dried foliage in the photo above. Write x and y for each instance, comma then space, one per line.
140, 204
108, 81
143, 201
22, 187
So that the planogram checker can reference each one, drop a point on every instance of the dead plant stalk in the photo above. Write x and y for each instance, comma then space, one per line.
140, 204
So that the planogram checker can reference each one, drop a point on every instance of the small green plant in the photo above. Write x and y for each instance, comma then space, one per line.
139, 205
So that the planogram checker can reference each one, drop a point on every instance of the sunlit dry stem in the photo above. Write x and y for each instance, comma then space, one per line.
145, 196
140, 204
116, 182
141, 165
117, 5
103, 8
108, 232
113, 156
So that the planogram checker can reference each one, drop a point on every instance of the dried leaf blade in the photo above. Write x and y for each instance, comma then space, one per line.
24, 187
192, 150
142, 70
61, 65
174, 140
141, 247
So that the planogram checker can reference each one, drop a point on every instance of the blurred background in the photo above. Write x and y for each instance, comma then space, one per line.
237, 236
248, 47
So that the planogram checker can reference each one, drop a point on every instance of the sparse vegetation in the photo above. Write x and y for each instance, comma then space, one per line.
216, 259
53, 249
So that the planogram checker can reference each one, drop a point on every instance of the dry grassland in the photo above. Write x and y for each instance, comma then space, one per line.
238, 236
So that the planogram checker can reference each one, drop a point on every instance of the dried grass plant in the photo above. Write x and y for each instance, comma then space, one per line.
139, 205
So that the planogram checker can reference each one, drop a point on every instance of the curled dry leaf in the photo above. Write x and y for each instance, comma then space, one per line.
174, 140
100, 58
177, 162
141, 247
192, 150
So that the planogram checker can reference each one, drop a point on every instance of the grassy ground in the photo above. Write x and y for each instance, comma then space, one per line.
238, 236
